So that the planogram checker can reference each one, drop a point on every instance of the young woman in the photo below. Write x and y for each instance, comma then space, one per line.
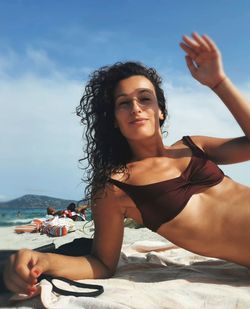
177, 191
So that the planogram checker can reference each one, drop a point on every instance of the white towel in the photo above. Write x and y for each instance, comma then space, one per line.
155, 275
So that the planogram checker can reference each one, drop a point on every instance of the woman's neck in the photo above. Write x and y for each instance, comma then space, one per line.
146, 149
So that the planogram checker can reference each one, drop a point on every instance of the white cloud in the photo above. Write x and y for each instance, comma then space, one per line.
7, 62
40, 134
39, 58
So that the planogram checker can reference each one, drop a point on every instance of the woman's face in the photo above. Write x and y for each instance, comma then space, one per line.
137, 112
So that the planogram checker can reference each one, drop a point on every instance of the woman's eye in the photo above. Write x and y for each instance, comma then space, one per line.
124, 103
145, 99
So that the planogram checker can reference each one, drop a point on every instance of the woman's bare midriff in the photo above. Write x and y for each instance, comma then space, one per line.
215, 223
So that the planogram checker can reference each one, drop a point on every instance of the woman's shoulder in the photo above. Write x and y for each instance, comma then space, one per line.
110, 193
108, 200
197, 140
221, 150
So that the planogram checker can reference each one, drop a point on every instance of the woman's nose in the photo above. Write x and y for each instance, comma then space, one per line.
135, 106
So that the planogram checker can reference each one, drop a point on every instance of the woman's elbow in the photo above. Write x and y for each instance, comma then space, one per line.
100, 269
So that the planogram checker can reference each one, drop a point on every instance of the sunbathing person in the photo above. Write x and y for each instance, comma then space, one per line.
70, 212
177, 191
33, 227
53, 212
81, 209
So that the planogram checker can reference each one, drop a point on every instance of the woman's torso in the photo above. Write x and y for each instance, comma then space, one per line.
208, 222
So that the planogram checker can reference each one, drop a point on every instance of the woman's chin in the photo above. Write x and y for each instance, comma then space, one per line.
140, 136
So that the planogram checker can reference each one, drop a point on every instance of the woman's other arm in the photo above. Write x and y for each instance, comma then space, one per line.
205, 64
23, 268
204, 61
236, 103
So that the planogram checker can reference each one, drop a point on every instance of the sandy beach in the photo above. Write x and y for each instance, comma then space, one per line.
13, 241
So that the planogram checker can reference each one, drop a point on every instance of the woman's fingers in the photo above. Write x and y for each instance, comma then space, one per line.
190, 52
191, 66
203, 59
193, 46
23, 269
201, 41
190, 42
13, 281
17, 285
210, 43
24, 261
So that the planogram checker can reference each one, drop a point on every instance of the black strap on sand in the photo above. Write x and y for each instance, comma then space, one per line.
98, 288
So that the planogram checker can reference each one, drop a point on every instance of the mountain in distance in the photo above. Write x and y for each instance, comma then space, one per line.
36, 201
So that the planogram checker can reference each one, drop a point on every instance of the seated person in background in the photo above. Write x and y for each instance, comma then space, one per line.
67, 213
53, 212
72, 212
78, 213
81, 209
72, 207
60, 213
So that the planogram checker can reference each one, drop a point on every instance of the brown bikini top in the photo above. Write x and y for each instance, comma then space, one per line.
160, 202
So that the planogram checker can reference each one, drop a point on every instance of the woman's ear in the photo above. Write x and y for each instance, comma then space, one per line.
161, 115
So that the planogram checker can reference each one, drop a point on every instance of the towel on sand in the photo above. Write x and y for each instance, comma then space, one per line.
155, 275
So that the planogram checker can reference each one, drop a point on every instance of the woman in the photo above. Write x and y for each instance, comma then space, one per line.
177, 191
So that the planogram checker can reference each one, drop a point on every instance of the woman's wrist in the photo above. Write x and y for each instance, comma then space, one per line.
47, 263
215, 86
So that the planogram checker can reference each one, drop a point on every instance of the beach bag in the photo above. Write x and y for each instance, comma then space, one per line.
78, 247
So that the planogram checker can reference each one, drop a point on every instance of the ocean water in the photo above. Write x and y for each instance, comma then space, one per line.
19, 216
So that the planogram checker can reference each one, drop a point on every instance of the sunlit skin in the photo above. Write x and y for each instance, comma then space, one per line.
215, 221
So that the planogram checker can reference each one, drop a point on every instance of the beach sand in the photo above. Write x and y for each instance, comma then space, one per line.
13, 241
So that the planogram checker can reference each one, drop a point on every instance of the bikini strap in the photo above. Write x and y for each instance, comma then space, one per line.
195, 149
117, 183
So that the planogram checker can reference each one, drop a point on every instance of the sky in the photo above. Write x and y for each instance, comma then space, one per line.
49, 48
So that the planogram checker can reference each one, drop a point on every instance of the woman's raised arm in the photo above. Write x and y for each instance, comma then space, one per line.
204, 61
205, 64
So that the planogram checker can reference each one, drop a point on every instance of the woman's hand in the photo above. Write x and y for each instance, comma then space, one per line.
22, 271
203, 59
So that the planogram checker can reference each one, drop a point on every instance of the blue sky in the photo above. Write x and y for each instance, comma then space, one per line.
48, 49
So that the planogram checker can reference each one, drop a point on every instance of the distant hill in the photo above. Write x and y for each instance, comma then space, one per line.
36, 201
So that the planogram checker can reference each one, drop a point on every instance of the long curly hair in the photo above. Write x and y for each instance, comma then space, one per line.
107, 151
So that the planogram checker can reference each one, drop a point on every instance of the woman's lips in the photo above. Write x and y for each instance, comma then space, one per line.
138, 121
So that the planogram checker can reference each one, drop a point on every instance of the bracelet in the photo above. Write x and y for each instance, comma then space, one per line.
216, 85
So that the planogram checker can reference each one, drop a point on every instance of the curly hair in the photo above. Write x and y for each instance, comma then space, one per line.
107, 151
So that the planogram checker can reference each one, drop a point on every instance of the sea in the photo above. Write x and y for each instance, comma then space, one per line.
19, 216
